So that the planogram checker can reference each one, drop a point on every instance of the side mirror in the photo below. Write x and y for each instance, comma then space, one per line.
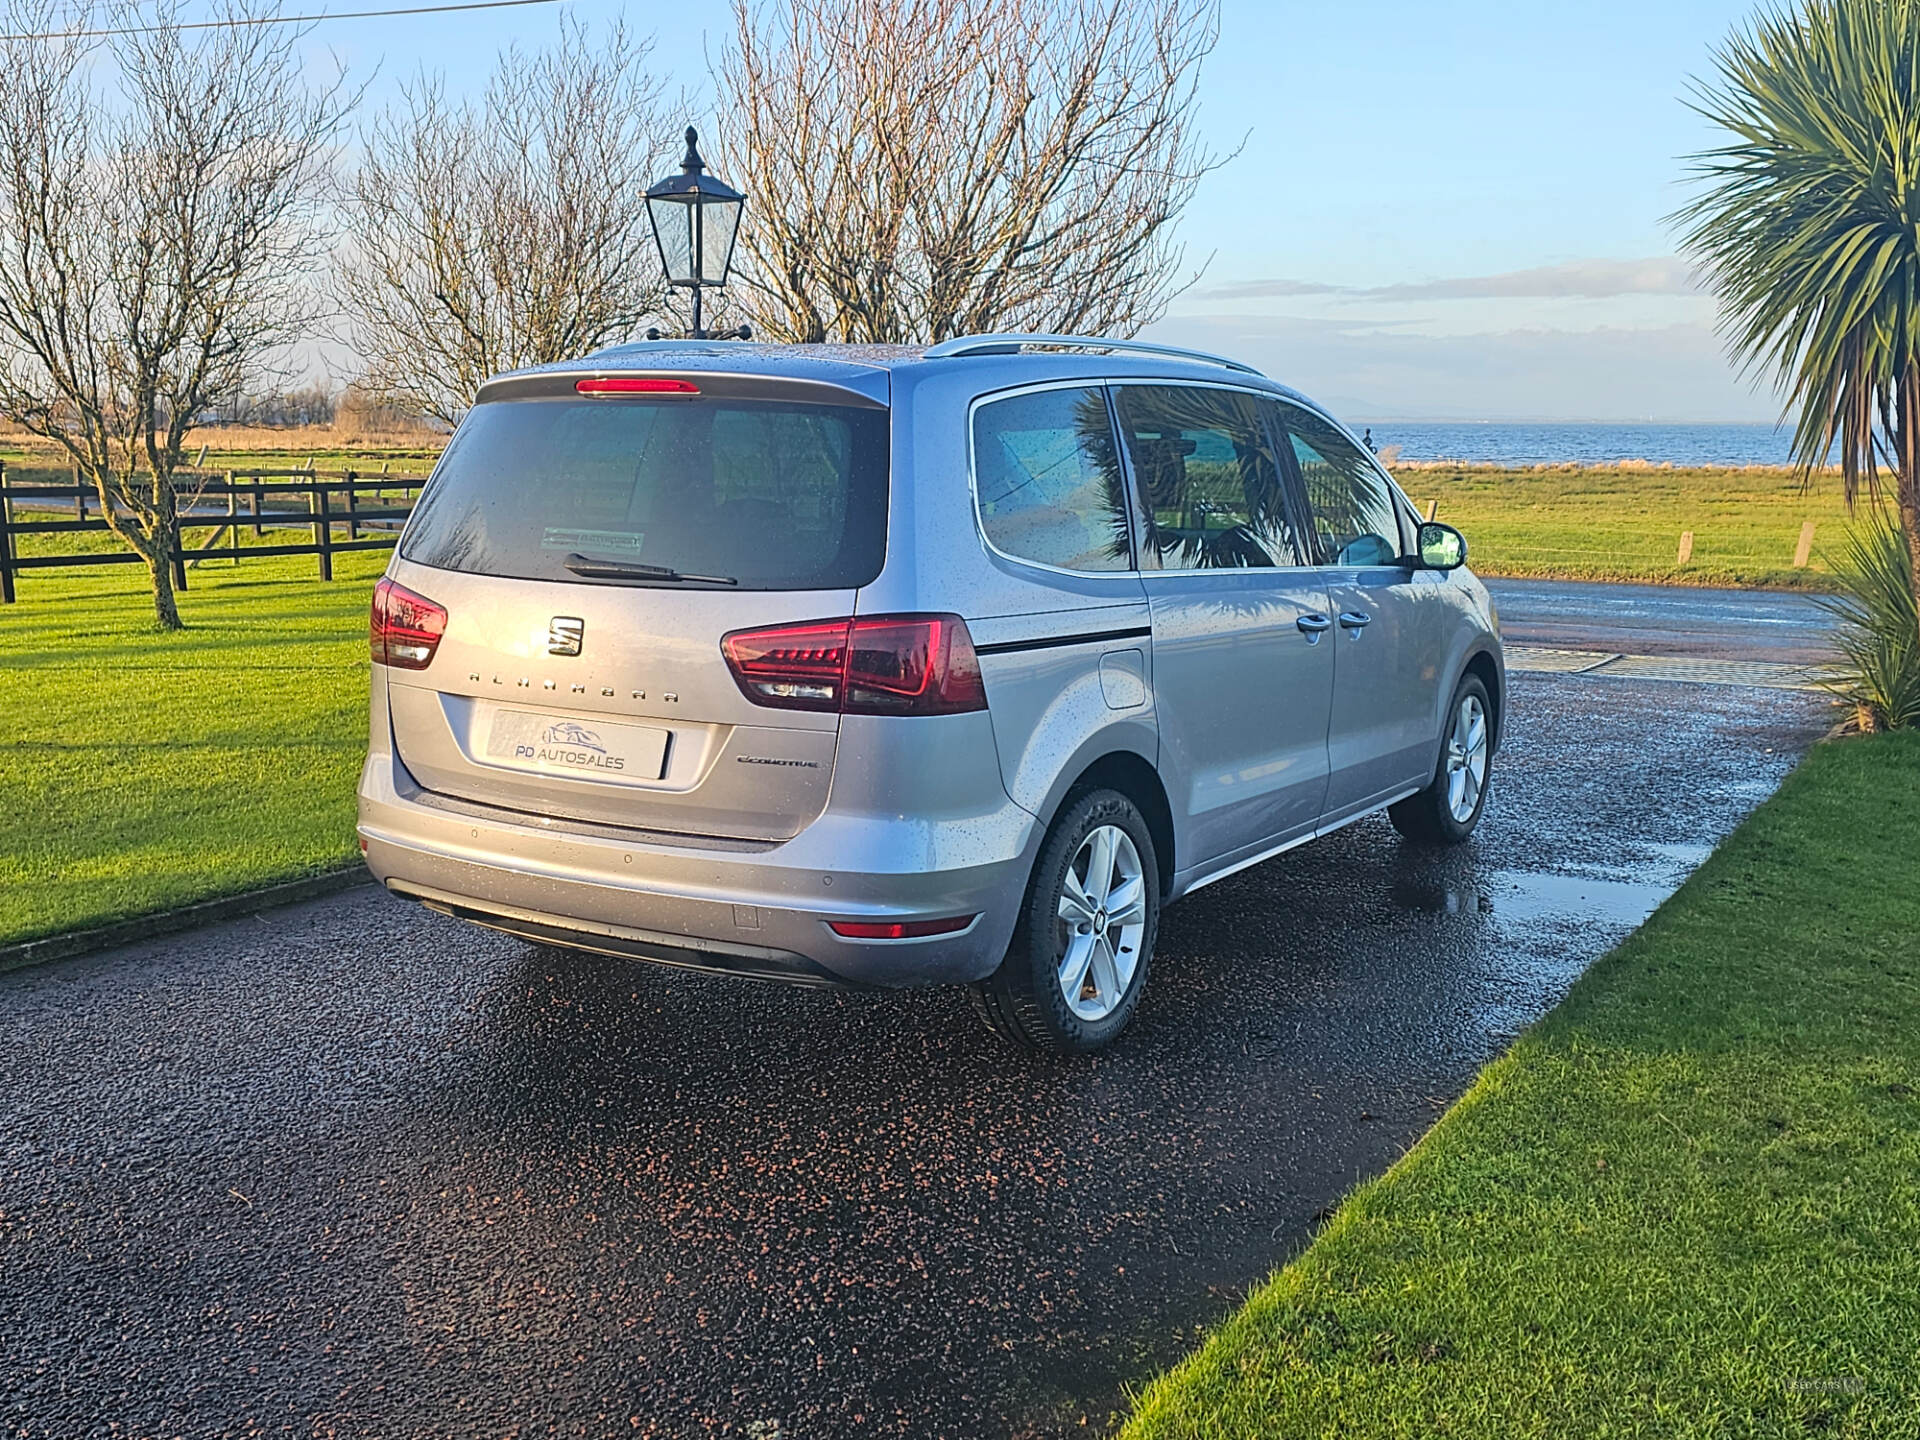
1441, 547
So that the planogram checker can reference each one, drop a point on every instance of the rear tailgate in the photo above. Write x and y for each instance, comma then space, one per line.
644, 728
606, 698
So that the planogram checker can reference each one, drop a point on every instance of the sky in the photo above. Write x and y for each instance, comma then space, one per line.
1435, 210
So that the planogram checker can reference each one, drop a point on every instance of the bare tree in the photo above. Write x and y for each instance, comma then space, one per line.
153, 239
513, 232
924, 168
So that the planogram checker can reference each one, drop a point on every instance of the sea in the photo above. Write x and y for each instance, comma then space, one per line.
1581, 442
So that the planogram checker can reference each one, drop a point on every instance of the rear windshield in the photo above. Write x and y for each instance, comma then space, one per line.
773, 495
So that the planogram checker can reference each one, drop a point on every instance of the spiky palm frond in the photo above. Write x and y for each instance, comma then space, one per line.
1808, 226
1879, 629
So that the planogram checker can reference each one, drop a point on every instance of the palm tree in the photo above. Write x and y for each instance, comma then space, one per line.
1808, 228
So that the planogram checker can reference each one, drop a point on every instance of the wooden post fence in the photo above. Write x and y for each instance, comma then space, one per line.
371, 522
6, 539
322, 529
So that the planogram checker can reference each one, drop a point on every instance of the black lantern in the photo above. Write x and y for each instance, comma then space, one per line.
695, 219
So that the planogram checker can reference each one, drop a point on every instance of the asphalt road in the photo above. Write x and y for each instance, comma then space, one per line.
1664, 620
351, 1169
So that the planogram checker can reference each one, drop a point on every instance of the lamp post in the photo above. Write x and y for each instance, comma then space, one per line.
695, 218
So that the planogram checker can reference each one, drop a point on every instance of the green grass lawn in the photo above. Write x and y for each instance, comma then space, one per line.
1619, 524
1687, 1204
143, 771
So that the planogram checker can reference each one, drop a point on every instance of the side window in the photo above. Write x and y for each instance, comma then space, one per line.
1212, 497
1049, 481
1353, 511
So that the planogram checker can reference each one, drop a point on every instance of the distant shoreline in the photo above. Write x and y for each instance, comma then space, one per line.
1396, 464
1583, 443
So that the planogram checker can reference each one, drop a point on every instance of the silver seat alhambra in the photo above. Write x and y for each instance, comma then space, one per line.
908, 666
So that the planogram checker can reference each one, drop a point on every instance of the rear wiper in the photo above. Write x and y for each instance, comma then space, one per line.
632, 570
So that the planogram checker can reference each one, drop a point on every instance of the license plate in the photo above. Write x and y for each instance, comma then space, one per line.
554, 745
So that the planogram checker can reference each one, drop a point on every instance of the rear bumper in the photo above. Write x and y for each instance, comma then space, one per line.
754, 910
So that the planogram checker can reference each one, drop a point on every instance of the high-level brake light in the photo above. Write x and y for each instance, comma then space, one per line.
635, 385
405, 627
869, 665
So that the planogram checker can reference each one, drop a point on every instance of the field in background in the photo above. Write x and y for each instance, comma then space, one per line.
1625, 523
145, 771
257, 442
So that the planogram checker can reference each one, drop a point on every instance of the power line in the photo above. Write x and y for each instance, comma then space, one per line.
250, 21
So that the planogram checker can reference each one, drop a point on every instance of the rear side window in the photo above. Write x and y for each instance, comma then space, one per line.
773, 494
1354, 515
1212, 496
1048, 481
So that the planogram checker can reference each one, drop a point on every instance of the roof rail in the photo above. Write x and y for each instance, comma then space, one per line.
1013, 342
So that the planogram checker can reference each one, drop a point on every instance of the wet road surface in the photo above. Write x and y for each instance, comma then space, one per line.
350, 1169
1664, 620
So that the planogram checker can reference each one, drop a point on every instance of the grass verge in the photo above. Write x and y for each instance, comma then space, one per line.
142, 771
1685, 1204
1624, 523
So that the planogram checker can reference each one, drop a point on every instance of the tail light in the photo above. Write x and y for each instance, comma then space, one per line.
869, 665
406, 628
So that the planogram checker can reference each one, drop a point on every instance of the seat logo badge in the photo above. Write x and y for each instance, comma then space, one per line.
564, 634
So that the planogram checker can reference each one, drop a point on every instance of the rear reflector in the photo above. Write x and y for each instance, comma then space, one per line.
405, 628
636, 385
898, 929
872, 665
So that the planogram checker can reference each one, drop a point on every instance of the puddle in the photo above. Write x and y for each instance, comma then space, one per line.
1435, 899
1539, 932
1523, 897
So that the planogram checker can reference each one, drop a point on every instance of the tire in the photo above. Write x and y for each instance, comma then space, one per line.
1026, 1000
1446, 812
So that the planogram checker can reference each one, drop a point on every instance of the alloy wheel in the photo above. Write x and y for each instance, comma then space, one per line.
1466, 758
1102, 913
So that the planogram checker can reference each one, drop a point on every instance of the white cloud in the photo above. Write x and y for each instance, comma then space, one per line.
1575, 279
1673, 372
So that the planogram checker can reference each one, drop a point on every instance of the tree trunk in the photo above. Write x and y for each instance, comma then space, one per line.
166, 612
165, 538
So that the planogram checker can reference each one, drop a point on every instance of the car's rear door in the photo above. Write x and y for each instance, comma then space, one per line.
1242, 644
577, 678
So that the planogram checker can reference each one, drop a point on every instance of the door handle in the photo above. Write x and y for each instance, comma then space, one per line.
1355, 619
1313, 624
